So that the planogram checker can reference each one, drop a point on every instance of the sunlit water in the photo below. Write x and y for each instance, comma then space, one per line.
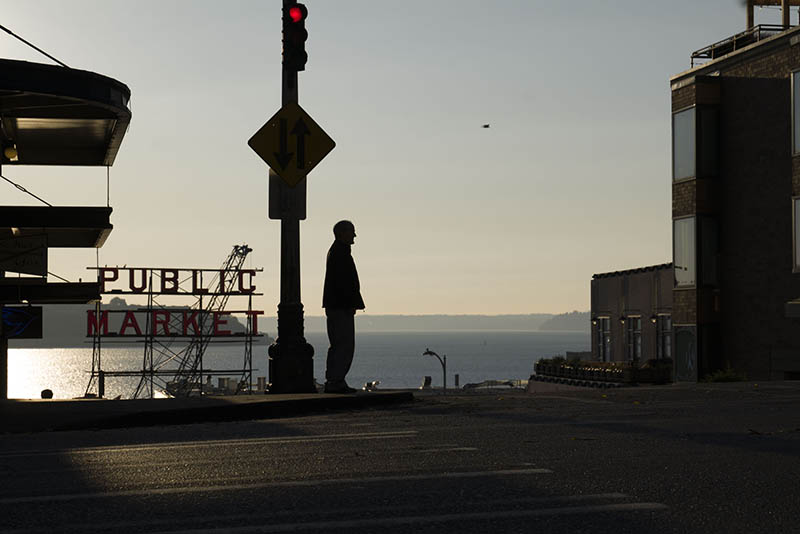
393, 358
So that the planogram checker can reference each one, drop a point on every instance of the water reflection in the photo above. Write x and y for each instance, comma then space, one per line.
62, 370
393, 358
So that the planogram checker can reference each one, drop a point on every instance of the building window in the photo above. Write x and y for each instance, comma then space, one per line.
683, 253
604, 339
633, 328
796, 232
796, 112
683, 144
663, 336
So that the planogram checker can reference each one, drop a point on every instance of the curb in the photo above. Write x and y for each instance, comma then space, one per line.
43, 416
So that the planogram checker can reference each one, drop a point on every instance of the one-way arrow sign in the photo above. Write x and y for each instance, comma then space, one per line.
291, 143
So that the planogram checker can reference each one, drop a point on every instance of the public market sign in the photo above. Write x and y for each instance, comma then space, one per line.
172, 322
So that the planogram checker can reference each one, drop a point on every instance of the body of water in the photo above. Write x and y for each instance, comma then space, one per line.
394, 358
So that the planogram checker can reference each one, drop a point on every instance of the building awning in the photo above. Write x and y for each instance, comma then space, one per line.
56, 115
62, 226
19, 291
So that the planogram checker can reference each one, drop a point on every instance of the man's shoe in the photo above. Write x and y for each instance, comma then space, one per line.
344, 388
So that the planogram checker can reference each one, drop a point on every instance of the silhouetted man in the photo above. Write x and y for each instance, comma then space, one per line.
341, 298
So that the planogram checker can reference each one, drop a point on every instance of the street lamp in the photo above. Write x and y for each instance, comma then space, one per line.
443, 361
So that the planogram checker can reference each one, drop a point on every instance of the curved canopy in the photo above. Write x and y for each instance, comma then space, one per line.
60, 116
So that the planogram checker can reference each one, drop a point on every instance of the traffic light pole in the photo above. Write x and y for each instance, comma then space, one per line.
291, 358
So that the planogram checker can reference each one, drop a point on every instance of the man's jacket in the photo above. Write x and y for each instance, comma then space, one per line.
342, 289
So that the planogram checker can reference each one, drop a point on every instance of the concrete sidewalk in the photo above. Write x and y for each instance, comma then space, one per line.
18, 416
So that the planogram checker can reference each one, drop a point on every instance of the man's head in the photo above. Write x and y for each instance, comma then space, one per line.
345, 232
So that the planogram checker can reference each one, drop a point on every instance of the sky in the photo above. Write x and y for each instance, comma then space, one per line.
571, 179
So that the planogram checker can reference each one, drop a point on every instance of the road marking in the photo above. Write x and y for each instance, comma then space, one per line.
237, 518
421, 519
226, 442
263, 485
447, 449
102, 463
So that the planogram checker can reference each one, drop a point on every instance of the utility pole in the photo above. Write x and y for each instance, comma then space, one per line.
291, 357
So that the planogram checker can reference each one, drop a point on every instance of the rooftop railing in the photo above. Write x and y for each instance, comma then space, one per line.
735, 42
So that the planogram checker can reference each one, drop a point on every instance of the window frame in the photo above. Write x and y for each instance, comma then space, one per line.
674, 263
633, 337
675, 180
603, 330
663, 336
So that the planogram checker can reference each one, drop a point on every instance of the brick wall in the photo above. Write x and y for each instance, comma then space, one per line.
683, 97
684, 198
684, 306
775, 63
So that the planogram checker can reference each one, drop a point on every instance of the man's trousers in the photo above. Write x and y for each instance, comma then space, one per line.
342, 339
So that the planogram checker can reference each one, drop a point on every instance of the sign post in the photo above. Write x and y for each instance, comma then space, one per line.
291, 143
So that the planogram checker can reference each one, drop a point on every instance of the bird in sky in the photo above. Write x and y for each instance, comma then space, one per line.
485, 125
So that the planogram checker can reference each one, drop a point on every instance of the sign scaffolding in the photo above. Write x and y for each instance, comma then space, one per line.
175, 339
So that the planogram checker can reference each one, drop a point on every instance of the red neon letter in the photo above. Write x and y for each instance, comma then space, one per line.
222, 280
190, 319
132, 283
91, 323
164, 321
254, 314
113, 271
130, 321
197, 288
218, 321
173, 278
250, 289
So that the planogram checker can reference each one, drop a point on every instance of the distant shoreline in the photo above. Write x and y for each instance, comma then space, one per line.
41, 344
66, 325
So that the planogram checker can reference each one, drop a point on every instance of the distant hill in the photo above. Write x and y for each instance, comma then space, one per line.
574, 321
427, 323
65, 325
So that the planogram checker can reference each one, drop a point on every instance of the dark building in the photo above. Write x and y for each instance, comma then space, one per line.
632, 314
51, 115
735, 200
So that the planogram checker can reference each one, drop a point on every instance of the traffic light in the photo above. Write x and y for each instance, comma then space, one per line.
294, 37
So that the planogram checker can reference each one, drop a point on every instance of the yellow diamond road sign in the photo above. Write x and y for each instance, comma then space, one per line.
291, 143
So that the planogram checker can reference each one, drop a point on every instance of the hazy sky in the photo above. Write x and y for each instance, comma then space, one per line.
572, 178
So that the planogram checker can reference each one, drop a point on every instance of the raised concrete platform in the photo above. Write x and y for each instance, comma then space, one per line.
47, 415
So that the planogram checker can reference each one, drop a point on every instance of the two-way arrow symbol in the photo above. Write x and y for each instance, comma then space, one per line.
300, 131
283, 156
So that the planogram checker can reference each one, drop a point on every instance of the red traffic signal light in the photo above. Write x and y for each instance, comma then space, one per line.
294, 37
298, 13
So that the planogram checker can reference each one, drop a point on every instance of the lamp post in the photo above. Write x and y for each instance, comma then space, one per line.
443, 361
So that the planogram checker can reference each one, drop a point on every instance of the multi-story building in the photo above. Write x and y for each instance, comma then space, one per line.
736, 206
632, 314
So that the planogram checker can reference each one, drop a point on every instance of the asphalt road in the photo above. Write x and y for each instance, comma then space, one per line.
673, 459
